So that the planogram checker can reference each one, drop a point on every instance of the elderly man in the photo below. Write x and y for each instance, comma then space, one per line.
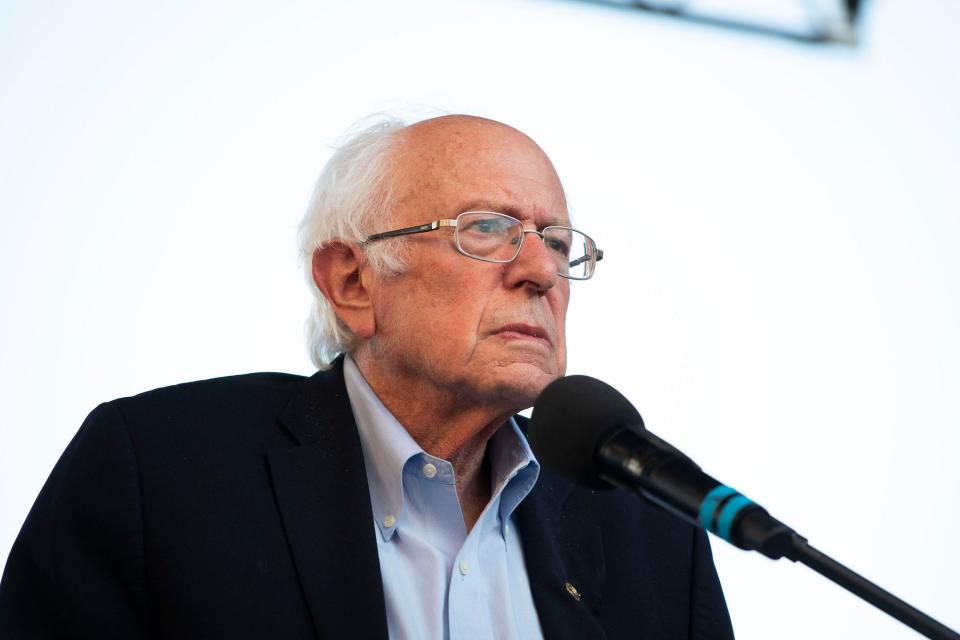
392, 494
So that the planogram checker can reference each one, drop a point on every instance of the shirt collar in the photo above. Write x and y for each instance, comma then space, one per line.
388, 448
513, 466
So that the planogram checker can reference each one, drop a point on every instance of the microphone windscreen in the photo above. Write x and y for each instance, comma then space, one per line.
570, 418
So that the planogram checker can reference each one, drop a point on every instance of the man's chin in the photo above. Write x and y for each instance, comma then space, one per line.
519, 383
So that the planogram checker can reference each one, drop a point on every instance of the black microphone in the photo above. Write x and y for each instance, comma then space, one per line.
588, 432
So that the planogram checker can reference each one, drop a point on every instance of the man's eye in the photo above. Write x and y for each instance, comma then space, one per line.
559, 246
487, 226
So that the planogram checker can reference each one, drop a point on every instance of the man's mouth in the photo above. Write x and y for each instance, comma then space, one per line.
522, 331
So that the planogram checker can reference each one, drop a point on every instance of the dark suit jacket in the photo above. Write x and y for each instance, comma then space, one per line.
239, 508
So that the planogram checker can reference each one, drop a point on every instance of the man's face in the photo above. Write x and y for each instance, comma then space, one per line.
489, 333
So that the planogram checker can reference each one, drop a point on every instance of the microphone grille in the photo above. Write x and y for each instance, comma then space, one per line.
570, 418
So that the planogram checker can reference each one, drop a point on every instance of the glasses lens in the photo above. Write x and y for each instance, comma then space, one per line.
575, 252
488, 236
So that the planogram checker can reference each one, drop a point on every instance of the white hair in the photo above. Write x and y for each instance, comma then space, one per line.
350, 201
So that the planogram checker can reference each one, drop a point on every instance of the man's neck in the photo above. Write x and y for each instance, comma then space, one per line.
441, 424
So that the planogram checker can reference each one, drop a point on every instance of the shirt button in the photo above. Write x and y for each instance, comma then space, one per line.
430, 470
464, 568
389, 521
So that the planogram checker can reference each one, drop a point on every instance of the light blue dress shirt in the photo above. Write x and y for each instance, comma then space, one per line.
438, 580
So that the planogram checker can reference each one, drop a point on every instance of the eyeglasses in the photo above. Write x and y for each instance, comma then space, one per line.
497, 237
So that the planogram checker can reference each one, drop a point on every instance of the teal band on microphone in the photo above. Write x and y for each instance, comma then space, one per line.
711, 502
730, 510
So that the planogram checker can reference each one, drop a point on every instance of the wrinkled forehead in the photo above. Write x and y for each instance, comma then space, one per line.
448, 165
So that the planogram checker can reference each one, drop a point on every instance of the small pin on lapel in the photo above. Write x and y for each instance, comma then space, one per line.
572, 590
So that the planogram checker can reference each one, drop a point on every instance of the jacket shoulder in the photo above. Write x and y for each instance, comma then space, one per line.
264, 382
240, 407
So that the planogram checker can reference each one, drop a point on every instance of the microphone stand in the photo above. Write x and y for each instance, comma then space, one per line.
866, 590
756, 530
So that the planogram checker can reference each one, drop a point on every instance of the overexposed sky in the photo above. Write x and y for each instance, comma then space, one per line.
779, 294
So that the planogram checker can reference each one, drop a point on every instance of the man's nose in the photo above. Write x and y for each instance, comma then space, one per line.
535, 265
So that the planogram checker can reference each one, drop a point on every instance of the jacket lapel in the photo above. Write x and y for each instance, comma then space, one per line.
564, 558
321, 490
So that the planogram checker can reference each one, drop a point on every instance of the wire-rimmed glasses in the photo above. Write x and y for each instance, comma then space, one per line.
497, 237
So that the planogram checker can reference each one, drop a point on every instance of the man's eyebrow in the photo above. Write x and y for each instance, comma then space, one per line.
509, 209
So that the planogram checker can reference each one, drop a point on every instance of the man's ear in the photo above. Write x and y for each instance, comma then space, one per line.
337, 269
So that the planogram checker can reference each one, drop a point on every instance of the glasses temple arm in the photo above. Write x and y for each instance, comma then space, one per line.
583, 259
421, 228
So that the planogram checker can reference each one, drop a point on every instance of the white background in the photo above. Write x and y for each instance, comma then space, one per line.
779, 295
